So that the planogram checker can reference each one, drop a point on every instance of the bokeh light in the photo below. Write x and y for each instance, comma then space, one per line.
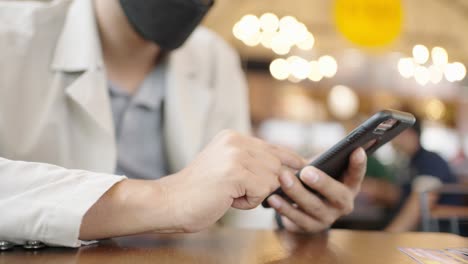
328, 66
269, 22
436, 74
435, 109
406, 67
439, 56
315, 74
420, 54
460, 71
343, 102
279, 69
422, 75
299, 67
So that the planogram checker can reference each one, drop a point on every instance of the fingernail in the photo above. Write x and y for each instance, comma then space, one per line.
274, 202
286, 180
309, 175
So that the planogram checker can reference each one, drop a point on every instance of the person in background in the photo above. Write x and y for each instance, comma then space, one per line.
90, 88
425, 170
379, 190
380, 183
376, 201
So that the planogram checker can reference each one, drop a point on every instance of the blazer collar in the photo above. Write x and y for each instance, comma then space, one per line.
188, 101
78, 48
78, 51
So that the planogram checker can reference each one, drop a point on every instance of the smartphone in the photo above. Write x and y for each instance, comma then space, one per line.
370, 135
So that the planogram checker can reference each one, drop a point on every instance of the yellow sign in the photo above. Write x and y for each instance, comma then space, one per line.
369, 23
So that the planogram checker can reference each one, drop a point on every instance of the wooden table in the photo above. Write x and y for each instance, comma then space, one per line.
243, 246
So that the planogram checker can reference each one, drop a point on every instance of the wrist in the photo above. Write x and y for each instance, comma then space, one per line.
163, 206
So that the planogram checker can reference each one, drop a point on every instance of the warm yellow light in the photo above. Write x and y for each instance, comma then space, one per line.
307, 43
420, 54
279, 69
237, 31
251, 21
436, 74
298, 106
293, 79
343, 102
460, 71
267, 38
247, 27
435, 109
315, 74
439, 56
422, 75
269, 22
297, 32
280, 44
299, 67
253, 40
450, 72
369, 23
328, 66
287, 23
406, 67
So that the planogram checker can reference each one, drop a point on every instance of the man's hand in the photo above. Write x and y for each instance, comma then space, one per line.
310, 213
232, 171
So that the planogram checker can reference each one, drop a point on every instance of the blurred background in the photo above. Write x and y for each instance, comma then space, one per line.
349, 59
317, 68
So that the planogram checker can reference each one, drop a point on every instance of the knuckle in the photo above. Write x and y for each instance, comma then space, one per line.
309, 228
273, 187
236, 154
223, 134
226, 132
254, 201
265, 192
277, 166
241, 172
328, 220
340, 199
230, 137
233, 167
318, 210
348, 208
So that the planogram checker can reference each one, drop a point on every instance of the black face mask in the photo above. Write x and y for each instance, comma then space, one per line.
168, 23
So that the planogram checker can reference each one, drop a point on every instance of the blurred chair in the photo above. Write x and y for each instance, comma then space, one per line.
453, 214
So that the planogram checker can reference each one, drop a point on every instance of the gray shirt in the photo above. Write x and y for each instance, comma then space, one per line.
138, 127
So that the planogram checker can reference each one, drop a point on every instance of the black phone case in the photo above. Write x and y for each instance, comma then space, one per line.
335, 161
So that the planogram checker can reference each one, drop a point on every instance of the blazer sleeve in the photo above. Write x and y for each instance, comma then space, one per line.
46, 202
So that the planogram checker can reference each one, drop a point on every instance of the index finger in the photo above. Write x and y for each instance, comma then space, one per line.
288, 157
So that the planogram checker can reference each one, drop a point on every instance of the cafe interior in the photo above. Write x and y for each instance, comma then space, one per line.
316, 69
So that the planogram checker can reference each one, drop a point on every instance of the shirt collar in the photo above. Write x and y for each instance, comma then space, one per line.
151, 92
78, 47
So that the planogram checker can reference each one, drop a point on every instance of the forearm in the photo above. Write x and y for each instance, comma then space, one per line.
381, 191
408, 218
129, 207
390, 194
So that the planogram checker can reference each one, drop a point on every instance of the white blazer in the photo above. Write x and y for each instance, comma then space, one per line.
54, 109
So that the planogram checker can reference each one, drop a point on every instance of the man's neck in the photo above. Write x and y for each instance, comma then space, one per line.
127, 56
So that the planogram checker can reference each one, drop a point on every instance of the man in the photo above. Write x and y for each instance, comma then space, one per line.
57, 63
425, 170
